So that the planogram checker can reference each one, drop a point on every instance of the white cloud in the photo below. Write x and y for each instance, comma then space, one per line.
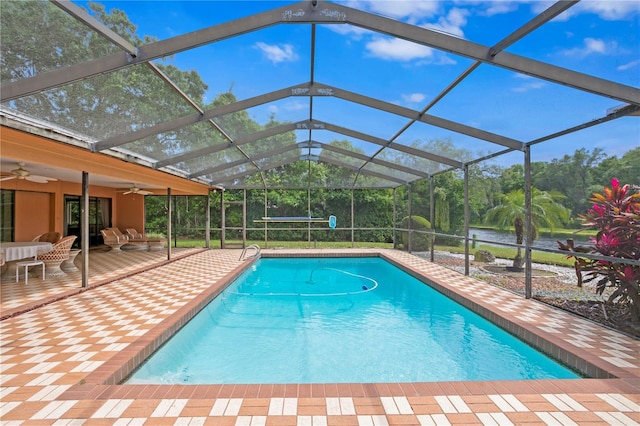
610, 10
355, 32
415, 12
628, 65
410, 10
534, 85
296, 105
530, 83
273, 109
452, 23
397, 49
592, 46
414, 98
277, 53
500, 7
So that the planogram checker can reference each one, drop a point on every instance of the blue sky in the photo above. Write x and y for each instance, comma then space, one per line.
601, 38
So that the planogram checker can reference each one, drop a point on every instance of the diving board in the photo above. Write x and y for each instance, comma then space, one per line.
298, 219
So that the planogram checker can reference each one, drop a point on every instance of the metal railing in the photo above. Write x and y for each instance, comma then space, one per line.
252, 246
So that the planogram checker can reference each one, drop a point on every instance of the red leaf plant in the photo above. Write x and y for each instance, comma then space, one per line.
616, 216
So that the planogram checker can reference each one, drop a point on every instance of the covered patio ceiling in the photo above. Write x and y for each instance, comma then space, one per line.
123, 102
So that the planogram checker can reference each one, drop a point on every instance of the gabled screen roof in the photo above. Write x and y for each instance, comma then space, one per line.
340, 95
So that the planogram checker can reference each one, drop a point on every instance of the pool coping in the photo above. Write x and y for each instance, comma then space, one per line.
103, 383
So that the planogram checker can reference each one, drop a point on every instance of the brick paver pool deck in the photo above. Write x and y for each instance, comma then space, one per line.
64, 349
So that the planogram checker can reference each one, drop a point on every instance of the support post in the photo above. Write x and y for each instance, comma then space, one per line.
244, 218
409, 213
169, 218
223, 219
309, 210
527, 223
266, 214
84, 225
352, 219
432, 209
395, 220
466, 219
207, 226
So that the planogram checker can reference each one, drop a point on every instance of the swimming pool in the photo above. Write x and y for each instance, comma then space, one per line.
339, 320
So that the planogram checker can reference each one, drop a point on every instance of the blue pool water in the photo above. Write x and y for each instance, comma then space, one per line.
322, 320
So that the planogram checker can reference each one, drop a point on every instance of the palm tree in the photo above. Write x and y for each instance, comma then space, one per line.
545, 211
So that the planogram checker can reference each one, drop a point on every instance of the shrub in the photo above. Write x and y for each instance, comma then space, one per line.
155, 235
484, 256
616, 216
419, 242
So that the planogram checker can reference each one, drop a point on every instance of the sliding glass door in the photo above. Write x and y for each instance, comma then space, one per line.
99, 218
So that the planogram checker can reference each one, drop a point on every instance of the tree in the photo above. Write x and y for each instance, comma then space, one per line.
625, 169
512, 179
573, 175
545, 211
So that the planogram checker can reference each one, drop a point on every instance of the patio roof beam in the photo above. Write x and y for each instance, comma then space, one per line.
540, 19
273, 165
426, 118
195, 106
146, 53
81, 15
294, 159
478, 52
314, 144
307, 12
536, 22
362, 171
630, 109
366, 158
191, 119
396, 146
283, 128
626, 111
265, 154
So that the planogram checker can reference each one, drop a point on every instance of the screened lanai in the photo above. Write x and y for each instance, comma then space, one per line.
252, 95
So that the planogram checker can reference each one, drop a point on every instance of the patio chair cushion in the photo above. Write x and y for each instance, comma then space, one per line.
134, 235
114, 236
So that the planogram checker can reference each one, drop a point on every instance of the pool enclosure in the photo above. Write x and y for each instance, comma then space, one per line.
90, 82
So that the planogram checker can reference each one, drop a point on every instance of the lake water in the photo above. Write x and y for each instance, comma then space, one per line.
509, 237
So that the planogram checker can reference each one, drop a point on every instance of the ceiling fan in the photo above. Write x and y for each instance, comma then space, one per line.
135, 190
22, 173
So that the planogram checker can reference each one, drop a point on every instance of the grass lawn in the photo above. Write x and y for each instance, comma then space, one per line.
501, 252
510, 253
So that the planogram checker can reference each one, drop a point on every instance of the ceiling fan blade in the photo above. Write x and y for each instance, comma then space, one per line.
39, 179
8, 177
142, 192
128, 192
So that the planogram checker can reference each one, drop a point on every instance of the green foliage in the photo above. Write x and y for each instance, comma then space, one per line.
512, 179
572, 175
419, 241
616, 215
155, 235
545, 210
442, 219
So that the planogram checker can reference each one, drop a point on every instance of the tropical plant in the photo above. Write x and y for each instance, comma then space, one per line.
616, 216
545, 211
